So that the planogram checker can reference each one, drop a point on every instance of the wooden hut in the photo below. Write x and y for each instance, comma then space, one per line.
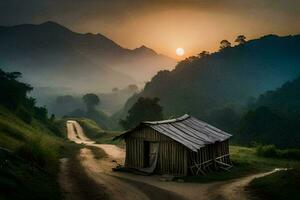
179, 146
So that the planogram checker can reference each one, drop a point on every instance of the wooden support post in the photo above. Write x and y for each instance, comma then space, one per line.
214, 157
185, 162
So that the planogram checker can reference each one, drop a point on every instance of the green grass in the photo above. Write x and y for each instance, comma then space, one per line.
272, 152
94, 132
281, 185
60, 124
20, 179
245, 162
29, 169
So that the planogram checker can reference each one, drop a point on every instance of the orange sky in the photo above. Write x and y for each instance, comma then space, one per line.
163, 25
192, 29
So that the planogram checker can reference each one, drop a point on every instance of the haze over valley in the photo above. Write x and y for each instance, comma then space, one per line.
50, 55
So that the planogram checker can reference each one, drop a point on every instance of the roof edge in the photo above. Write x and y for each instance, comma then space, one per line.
183, 117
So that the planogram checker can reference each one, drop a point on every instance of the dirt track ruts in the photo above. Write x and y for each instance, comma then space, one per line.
119, 185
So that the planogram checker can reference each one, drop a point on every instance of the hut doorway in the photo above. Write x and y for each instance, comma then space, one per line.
150, 154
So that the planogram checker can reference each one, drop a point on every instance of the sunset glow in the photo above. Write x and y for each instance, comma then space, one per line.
164, 25
180, 51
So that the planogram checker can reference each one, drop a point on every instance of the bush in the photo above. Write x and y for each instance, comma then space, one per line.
41, 114
290, 154
272, 151
267, 151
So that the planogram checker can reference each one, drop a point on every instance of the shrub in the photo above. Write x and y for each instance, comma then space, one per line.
272, 151
267, 151
41, 114
290, 154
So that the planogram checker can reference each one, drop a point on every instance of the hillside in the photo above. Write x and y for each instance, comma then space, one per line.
29, 156
273, 118
227, 79
285, 99
50, 55
29, 144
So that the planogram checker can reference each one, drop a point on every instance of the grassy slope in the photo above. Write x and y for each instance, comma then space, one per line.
278, 186
28, 170
246, 162
93, 131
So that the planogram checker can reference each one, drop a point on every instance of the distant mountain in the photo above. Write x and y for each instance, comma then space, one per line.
50, 55
273, 118
225, 79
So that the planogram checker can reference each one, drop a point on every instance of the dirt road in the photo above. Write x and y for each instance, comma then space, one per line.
115, 186
119, 185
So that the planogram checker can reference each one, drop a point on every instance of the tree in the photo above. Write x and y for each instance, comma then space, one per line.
224, 44
41, 114
225, 118
52, 118
14, 93
203, 54
91, 100
192, 58
264, 126
133, 87
240, 39
143, 110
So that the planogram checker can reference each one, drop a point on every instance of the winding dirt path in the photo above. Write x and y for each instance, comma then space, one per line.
235, 189
130, 186
117, 187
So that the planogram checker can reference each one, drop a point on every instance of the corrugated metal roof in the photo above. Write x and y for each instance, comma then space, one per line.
189, 131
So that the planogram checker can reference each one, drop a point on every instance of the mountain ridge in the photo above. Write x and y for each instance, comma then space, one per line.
60, 54
227, 78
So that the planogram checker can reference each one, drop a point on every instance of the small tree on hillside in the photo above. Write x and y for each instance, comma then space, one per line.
240, 39
13, 92
91, 100
203, 54
133, 88
224, 44
144, 109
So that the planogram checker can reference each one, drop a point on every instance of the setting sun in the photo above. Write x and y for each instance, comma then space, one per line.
180, 51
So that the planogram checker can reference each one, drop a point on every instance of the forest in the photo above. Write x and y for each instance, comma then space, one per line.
242, 89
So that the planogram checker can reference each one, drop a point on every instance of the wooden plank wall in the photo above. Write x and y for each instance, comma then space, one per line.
222, 148
204, 154
210, 152
172, 156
